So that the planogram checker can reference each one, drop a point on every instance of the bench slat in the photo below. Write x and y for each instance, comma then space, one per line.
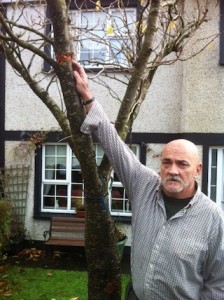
65, 242
68, 226
64, 229
68, 219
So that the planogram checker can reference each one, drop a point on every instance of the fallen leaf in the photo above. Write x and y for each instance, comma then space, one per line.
3, 268
8, 294
2, 283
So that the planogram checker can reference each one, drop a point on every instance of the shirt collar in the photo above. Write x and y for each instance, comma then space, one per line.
193, 200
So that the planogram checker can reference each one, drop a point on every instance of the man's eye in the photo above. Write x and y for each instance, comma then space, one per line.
166, 162
183, 164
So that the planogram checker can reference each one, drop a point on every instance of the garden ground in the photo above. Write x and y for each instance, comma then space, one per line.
38, 274
67, 258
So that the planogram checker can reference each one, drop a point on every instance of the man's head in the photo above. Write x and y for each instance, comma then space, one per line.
180, 166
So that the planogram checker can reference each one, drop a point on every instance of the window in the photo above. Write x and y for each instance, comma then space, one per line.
105, 36
118, 200
216, 176
62, 184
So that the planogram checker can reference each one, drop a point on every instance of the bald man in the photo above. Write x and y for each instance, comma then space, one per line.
177, 250
180, 166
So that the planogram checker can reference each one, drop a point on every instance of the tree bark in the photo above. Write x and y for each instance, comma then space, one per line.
103, 260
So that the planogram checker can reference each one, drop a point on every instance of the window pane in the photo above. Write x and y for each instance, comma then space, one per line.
49, 174
214, 188
117, 51
95, 51
49, 162
93, 20
214, 157
61, 161
93, 23
134, 149
98, 153
60, 172
213, 176
75, 162
116, 177
123, 22
50, 150
61, 150
61, 200
213, 193
76, 176
77, 195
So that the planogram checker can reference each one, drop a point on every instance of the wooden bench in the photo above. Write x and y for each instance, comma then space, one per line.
66, 231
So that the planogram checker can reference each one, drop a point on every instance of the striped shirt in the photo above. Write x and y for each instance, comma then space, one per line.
176, 259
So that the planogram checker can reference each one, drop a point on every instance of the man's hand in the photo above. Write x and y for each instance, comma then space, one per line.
81, 81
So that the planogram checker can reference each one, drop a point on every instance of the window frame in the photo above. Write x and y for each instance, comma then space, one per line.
110, 60
88, 5
69, 183
218, 174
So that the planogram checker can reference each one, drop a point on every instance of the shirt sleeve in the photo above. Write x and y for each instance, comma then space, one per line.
123, 160
214, 267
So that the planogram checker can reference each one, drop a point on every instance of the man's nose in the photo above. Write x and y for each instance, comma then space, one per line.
173, 169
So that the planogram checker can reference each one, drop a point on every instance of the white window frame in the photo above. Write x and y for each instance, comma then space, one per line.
76, 16
55, 208
216, 170
126, 205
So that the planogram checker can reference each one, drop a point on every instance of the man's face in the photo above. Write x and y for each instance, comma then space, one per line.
179, 168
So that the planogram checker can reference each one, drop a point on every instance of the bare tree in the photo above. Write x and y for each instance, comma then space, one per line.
161, 28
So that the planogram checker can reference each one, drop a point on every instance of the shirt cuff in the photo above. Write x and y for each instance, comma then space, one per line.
93, 119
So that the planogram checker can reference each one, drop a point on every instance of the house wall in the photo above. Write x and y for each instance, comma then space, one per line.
202, 91
185, 97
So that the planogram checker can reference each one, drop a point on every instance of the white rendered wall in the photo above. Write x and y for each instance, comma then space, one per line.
184, 97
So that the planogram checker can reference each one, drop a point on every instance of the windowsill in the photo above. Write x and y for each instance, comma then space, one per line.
48, 215
109, 69
122, 219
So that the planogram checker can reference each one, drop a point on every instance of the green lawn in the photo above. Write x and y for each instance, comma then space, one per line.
18, 283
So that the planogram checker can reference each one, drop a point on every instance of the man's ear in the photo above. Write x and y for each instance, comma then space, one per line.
199, 169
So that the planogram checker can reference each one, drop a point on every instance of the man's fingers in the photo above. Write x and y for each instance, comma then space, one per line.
77, 67
77, 77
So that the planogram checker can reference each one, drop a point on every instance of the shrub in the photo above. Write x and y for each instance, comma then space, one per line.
5, 224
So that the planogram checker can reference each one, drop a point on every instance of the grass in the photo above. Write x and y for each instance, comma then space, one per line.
27, 283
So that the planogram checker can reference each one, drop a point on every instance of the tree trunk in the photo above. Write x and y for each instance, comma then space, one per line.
103, 260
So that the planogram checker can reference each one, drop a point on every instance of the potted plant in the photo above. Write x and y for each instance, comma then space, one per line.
122, 239
81, 211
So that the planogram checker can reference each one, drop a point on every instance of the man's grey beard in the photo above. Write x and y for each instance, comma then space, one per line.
176, 179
